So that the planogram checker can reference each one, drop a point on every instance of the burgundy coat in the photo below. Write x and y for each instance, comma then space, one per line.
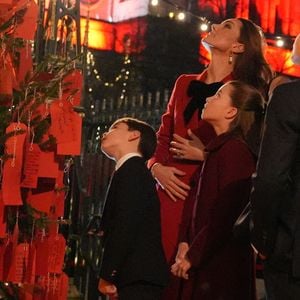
222, 267
173, 122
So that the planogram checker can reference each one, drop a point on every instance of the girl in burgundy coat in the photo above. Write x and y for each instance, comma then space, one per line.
211, 262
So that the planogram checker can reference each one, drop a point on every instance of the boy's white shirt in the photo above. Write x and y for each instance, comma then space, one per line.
121, 161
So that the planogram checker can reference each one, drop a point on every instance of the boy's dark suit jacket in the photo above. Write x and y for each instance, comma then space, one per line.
275, 199
131, 228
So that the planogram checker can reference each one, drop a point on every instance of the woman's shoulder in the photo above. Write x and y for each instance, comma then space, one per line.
186, 78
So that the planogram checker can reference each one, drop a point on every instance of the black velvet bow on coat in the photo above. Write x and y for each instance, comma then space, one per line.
198, 91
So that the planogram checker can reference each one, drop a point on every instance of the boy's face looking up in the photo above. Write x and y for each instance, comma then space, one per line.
118, 141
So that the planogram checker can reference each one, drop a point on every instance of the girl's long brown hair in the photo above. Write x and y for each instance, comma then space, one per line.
250, 104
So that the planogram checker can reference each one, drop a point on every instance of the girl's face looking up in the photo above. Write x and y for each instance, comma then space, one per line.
218, 110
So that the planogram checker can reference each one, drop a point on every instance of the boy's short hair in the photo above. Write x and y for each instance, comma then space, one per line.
148, 139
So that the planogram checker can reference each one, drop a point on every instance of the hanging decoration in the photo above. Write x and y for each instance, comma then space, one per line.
39, 130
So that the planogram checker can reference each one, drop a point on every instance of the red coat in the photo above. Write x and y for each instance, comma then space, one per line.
173, 122
222, 267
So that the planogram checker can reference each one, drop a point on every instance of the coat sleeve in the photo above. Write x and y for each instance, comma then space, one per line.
272, 184
236, 165
166, 129
131, 198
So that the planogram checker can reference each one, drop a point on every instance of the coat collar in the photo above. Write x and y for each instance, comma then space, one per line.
221, 139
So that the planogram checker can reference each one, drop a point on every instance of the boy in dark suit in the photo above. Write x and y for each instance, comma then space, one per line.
133, 263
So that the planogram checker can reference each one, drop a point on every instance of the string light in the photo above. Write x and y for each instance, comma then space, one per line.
121, 78
171, 14
279, 42
204, 24
204, 27
181, 16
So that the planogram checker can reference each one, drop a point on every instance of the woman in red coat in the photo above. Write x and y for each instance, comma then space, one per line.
232, 44
213, 264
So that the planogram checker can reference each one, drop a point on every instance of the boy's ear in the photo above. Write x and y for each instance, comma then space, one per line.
238, 47
135, 134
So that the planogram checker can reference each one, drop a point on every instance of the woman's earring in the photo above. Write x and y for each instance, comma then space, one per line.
230, 58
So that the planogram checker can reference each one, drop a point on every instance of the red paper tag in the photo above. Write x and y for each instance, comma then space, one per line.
57, 249
60, 179
62, 121
26, 29
6, 78
53, 285
73, 147
64, 286
6, 2
59, 287
13, 166
12, 274
19, 263
41, 201
2, 250
48, 166
72, 87
30, 270
59, 203
25, 292
8, 254
31, 166
2, 221
42, 254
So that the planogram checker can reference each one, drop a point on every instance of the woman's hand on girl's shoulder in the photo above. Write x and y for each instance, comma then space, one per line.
191, 149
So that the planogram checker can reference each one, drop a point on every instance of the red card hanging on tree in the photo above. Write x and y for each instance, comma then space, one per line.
57, 249
19, 263
30, 270
42, 255
52, 287
6, 2
59, 196
13, 166
12, 266
6, 76
8, 254
31, 166
72, 84
58, 287
48, 165
64, 286
59, 203
2, 251
26, 29
60, 178
2, 220
41, 201
73, 147
25, 292
62, 126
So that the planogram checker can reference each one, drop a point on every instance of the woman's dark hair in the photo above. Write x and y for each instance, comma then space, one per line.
250, 104
148, 139
251, 66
